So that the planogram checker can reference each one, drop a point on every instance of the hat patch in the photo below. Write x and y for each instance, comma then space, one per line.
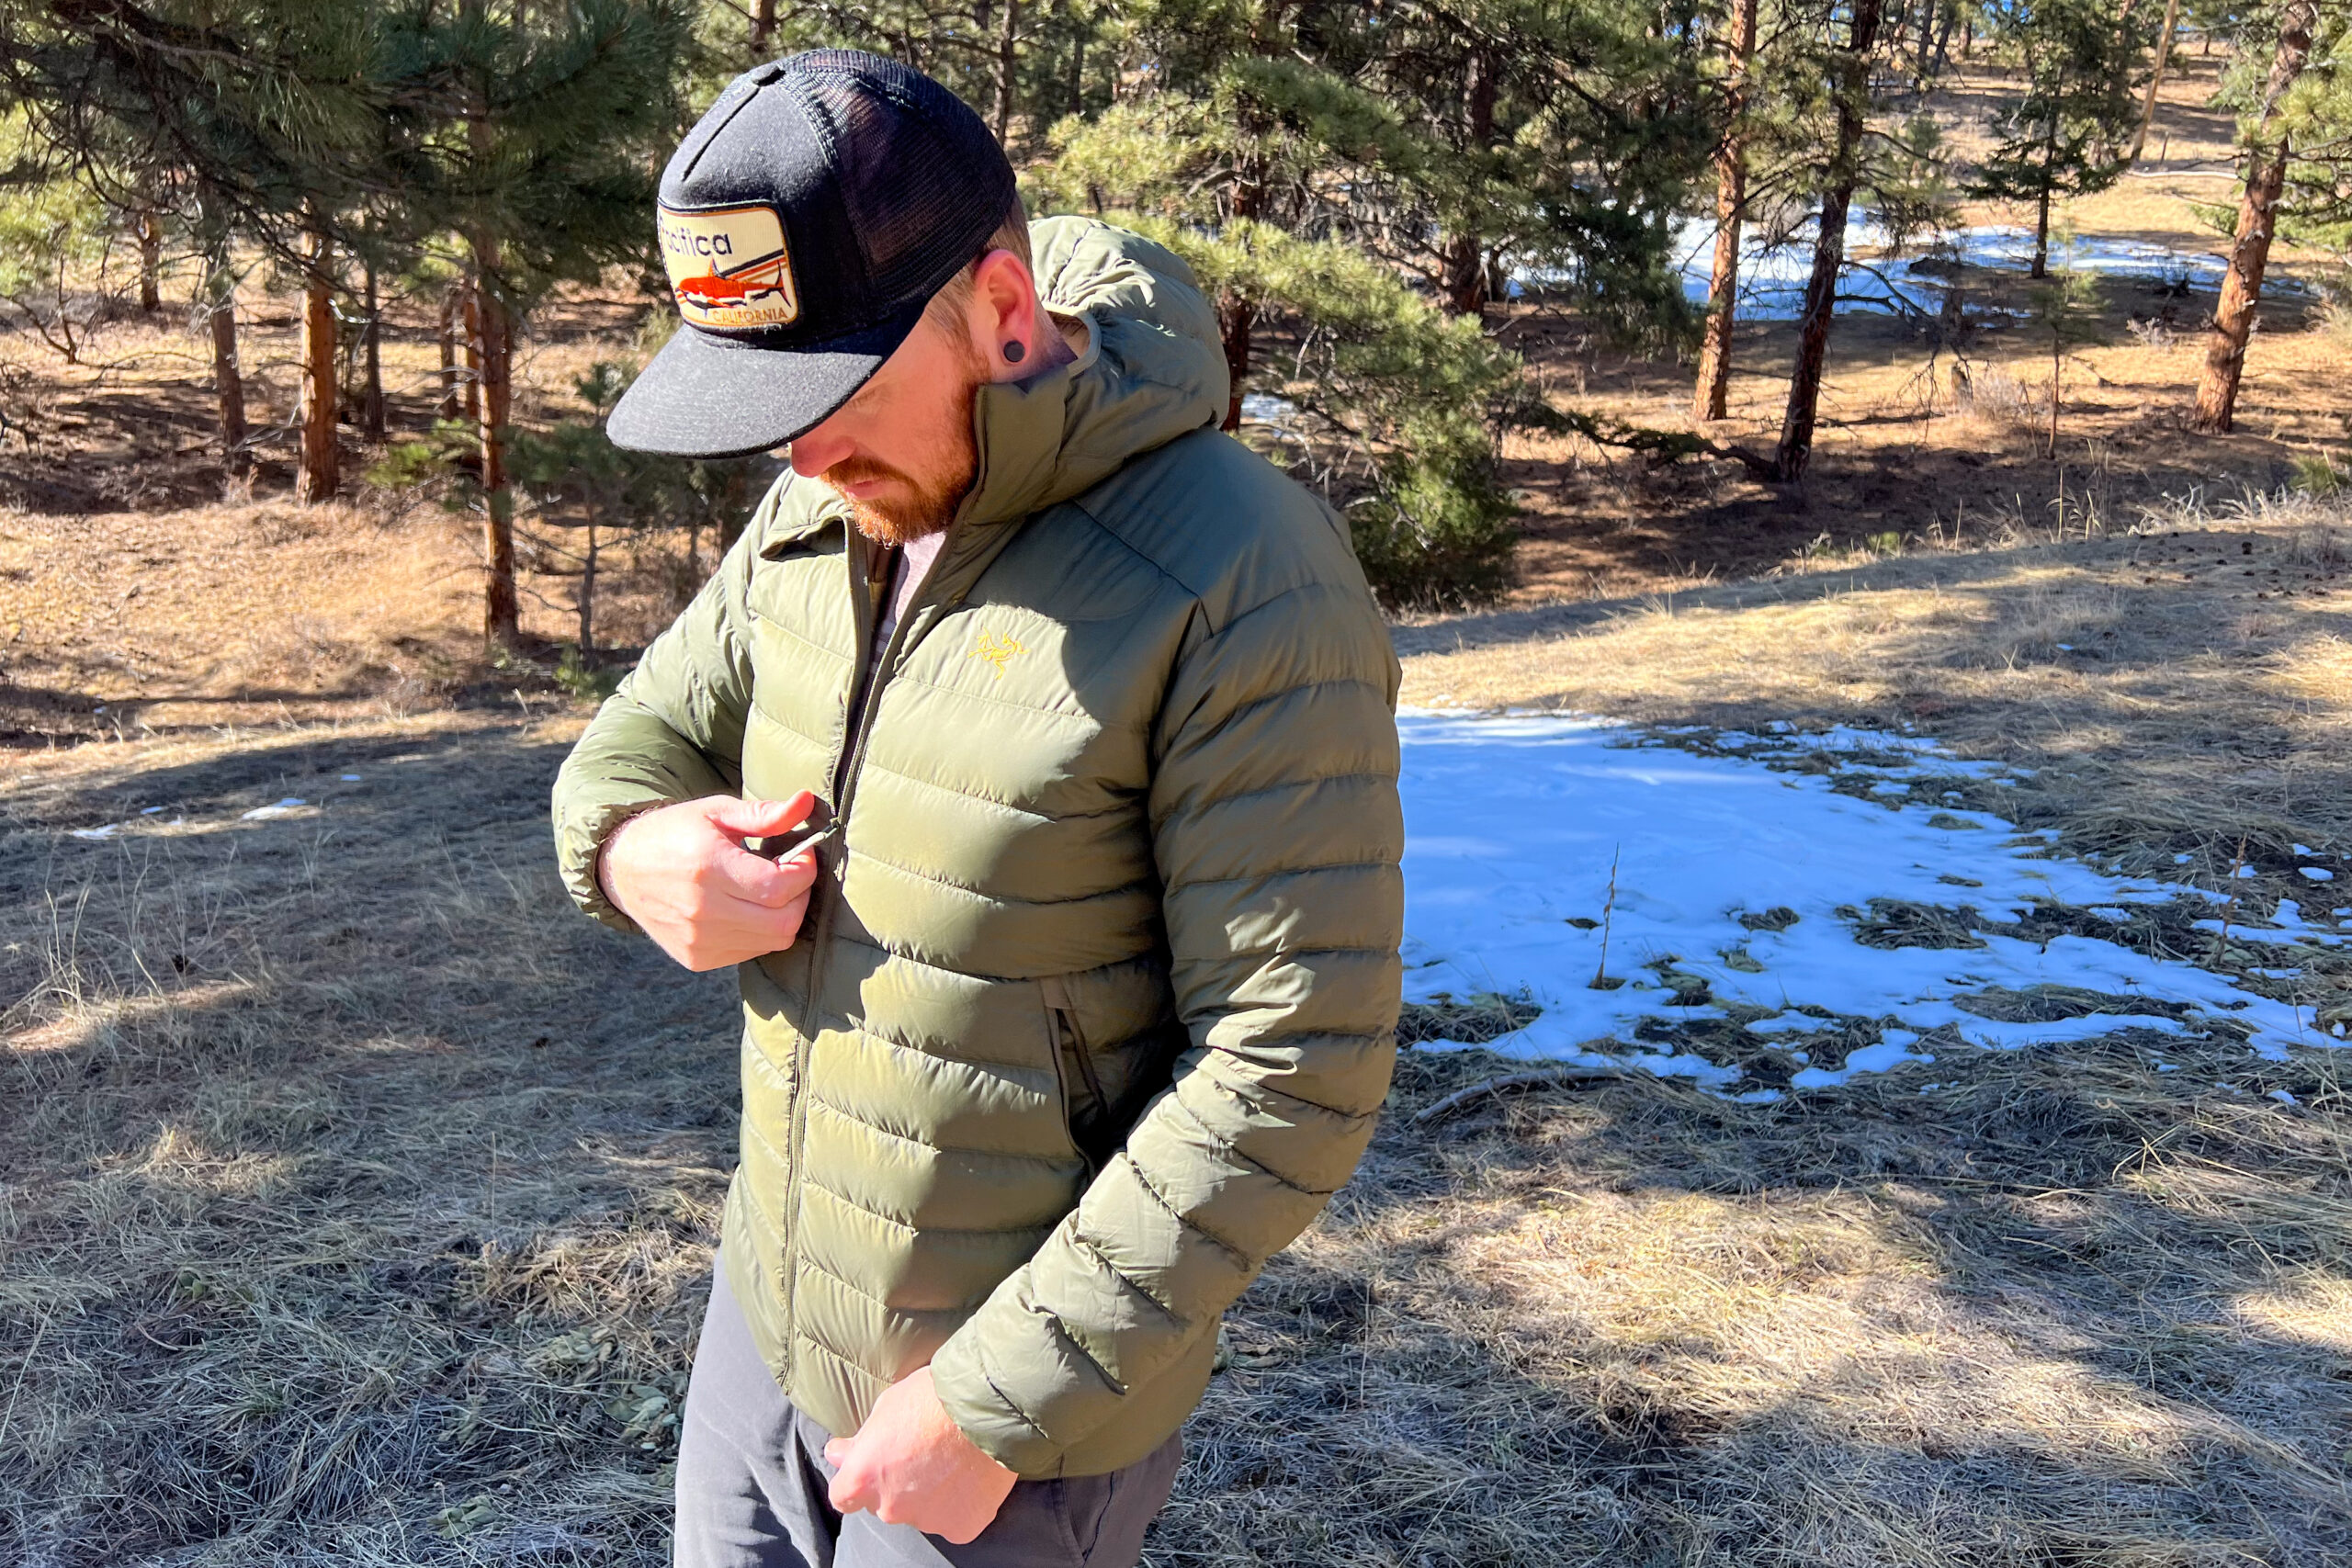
728, 267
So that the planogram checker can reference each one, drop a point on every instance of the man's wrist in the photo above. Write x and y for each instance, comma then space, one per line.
599, 866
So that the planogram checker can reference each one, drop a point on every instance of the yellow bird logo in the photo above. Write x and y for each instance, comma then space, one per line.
996, 650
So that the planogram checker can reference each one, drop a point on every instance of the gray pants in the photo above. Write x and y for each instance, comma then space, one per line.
753, 1480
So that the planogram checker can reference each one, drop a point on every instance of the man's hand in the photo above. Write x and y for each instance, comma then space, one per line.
911, 1464
683, 874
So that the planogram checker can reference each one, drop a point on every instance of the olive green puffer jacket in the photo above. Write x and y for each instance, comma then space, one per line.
1094, 1003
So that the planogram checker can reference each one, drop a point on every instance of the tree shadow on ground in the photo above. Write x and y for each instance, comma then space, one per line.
361, 1194
1639, 1324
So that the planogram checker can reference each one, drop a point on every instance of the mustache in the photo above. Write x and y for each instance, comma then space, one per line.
858, 471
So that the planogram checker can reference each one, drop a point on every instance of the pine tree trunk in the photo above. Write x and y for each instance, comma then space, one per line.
488, 393
2155, 82
228, 379
587, 604
1714, 391
2040, 267
317, 476
1466, 276
733, 510
1795, 449
1466, 256
493, 359
151, 261
452, 328
2266, 175
1235, 314
371, 360
1077, 71
1943, 40
469, 384
762, 29
1008, 59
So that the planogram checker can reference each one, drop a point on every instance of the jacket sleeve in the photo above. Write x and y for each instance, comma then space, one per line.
673, 729
1277, 834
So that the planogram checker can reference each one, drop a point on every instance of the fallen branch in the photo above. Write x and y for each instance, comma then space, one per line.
1660, 448
1543, 1077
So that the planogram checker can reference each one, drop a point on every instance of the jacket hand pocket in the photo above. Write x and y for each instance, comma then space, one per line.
1085, 1109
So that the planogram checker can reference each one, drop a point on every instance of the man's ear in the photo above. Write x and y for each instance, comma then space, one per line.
1004, 316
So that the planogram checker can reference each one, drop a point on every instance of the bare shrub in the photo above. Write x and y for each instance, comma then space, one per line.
1990, 394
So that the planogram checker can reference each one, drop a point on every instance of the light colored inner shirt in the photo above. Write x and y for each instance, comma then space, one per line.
910, 564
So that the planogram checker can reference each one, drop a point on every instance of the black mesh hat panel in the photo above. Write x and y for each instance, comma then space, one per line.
909, 153
805, 220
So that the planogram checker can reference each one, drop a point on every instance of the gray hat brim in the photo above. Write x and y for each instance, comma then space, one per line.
707, 396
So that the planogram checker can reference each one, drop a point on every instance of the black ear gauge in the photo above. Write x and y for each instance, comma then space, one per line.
1014, 354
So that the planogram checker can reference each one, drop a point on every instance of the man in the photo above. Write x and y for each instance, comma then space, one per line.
1079, 1003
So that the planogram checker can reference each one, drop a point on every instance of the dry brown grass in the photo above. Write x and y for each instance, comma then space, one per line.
359, 1195
2063, 1309
142, 590
2186, 688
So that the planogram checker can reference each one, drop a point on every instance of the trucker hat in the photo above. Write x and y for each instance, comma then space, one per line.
805, 221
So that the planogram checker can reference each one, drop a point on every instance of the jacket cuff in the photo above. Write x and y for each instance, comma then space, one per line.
580, 846
985, 1414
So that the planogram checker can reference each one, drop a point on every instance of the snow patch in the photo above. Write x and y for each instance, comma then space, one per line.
1512, 824
1772, 279
263, 813
1892, 1051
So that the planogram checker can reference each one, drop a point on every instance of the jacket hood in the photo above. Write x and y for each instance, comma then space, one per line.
1152, 369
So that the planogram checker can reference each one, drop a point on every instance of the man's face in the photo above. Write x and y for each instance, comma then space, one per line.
900, 452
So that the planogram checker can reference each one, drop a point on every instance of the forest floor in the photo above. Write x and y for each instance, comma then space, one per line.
359, 1197
1934, 436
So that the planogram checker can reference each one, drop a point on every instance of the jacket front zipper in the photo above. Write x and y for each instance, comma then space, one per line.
875, 669
865, 699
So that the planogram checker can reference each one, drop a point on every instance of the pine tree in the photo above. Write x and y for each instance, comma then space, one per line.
1731, 208
1559, 138
2315, 201
1840, 177
1341, 177
2068, 133
269, 113
1813, 138
1234, 158
2269, 151
531, 131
